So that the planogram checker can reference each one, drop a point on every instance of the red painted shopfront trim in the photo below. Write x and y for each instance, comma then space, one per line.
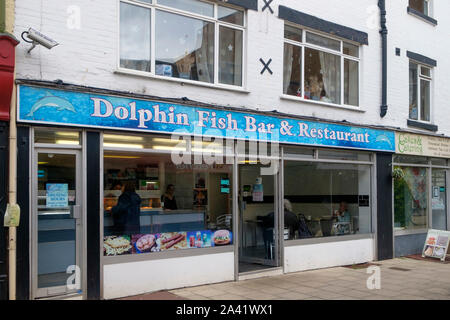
7, 64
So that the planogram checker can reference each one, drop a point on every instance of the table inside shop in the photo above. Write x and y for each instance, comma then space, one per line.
158, 220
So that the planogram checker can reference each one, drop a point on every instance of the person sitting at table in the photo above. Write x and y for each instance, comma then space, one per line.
342, 213
168, 198
290, 221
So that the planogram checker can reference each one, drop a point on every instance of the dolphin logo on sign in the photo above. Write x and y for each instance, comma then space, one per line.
384, 138
53, 102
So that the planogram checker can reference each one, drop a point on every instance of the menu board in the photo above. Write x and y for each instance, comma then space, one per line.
436, 244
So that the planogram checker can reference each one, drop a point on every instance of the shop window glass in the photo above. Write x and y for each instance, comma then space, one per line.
157, 143
292, 33
410, 198
439, 199
174, 207
56, 137
328, 199
413, 105
323, 41
297, 152
292, 70
351, 49
439, 162
135, 37
422, 6
351, 82
424, 100
184, 47
344, 155
322, 76
230, 15
410, 159
230, 56
319, 70
419, 92
194, 6
184, 43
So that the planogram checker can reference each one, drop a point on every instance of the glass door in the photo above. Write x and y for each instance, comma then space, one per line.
57, 223
258, 218
439, 199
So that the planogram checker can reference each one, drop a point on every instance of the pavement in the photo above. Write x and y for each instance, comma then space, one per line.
400, 279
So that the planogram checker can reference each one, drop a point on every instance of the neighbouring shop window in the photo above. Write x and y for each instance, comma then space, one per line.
422, 6
328, 199
193, 40
410, 197
419, 92
439, 199
315, 66
152, 204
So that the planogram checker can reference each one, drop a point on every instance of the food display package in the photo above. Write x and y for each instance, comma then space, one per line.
116, 245
143, 243
199, 239
222, 238
173, 241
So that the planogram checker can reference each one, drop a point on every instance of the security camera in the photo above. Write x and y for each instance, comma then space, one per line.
37, 38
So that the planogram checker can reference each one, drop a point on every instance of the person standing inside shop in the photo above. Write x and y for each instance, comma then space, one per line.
126, 214
168, 198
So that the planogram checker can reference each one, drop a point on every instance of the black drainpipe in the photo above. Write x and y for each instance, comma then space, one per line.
383, 32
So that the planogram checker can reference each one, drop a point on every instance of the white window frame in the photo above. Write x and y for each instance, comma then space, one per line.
429, 79
153, 6
340, 53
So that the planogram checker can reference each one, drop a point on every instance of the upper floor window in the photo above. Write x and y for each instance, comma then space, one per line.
184, 39
423, 6
320, 68
419, 92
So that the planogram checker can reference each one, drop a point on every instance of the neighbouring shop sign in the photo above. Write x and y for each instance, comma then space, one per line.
436, 244
50, 106
421, 145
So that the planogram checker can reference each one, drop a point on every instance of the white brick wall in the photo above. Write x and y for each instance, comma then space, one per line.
88, 56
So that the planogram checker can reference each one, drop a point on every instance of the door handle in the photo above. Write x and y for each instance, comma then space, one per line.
76, 212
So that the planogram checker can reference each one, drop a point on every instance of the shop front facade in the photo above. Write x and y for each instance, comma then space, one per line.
420, 177
217, 192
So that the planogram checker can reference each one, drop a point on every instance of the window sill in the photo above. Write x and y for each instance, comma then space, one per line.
321, 103
180, 81
300, 242
422, 125
422, 16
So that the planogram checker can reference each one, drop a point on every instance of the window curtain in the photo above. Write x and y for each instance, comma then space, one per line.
331, 73
287, 66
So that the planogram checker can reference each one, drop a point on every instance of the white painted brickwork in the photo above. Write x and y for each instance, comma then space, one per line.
87, 56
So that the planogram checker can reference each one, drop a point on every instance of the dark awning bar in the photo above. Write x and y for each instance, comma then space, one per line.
246, 4
422, 59
322, 25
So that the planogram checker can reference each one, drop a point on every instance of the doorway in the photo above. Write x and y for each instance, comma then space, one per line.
56, 223
259, 244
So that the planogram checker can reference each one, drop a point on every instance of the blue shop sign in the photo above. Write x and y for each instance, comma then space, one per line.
49, 106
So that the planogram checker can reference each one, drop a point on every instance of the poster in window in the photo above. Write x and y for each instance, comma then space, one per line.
57, 195
143, 243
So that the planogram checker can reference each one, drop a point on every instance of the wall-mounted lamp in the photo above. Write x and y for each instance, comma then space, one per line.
38, 38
